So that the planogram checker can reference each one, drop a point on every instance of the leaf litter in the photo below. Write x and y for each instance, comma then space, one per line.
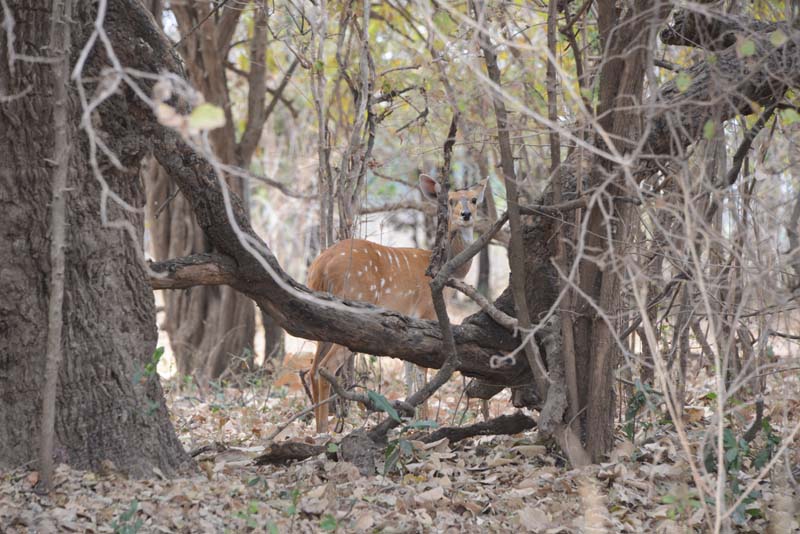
484, 484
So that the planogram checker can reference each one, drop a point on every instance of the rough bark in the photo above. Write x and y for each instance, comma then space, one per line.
107, 408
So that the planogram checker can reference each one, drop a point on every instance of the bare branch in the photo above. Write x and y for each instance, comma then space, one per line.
503, 319
505, 424
195, 270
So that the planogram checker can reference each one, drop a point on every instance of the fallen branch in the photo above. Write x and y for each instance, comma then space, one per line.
288, 451
503, 425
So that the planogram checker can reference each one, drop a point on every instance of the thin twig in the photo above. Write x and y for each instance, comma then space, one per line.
501, 318
744, 147
361, 398
166, 203
298, 415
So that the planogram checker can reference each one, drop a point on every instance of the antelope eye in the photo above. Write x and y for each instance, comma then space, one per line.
452, 202
474, 200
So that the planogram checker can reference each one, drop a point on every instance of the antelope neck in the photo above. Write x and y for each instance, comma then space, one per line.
459, 240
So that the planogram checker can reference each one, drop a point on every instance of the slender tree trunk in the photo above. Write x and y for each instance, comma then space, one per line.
107, 406
274, 339
60, 39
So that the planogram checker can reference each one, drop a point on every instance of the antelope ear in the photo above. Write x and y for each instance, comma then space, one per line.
429, 187
480, 187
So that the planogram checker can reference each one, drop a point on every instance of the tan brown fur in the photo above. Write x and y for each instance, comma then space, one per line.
389, 277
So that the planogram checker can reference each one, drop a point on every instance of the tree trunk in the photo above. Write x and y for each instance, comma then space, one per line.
108, 407
274, 339
209, 327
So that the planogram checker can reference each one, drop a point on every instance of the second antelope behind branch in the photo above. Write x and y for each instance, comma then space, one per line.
389, 277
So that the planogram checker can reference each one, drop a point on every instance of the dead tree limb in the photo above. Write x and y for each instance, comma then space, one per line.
505, 424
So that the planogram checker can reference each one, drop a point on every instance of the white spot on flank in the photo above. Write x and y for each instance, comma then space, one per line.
359, 273
375, 267
373, 287
405, 257
343, 254
383, 283
360, 295
378, 252
388, 290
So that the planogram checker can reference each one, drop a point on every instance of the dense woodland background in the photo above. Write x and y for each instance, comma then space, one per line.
639, 259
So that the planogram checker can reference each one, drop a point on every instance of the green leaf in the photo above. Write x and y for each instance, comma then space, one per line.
423, 424
754, 512
443, 21
668, 499
790, 116
392, 457
683, 81
728, 439
328, 523
731, 454
383, 404
207, 117
778, 38
405, 447
747, 47
333, 447
762, 458
709, 129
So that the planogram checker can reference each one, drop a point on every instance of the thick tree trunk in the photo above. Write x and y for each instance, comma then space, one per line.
107, 406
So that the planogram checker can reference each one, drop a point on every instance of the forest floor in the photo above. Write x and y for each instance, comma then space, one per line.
486, 484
